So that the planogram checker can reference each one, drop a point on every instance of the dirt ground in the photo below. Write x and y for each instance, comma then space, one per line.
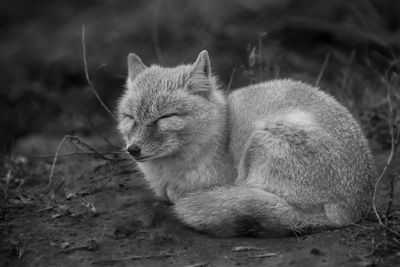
102, 214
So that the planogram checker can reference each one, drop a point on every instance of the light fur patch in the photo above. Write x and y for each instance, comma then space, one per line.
128, 83
299, 118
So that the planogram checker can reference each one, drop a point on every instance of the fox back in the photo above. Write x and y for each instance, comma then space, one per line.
319, 143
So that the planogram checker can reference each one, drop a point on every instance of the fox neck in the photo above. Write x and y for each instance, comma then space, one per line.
215, 148
197, 166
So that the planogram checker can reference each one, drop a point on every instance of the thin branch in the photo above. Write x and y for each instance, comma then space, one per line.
391, 155
228, 89
391, 195
78, 142
63, 155
246, 248
91, 149
154, 31
200, 264
265, 255
322, 71
347, 71
88, 77
393, 140
260, 55
55, 159
393, 232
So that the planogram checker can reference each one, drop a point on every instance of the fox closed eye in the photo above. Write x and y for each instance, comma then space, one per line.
126, 115
168, 115
129, 118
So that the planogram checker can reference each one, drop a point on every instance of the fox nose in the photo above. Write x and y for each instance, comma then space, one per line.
134, 150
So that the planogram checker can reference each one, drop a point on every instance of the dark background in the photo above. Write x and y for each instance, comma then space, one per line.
44, 91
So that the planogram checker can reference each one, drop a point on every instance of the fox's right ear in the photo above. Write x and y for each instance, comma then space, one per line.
135, 66
200, 76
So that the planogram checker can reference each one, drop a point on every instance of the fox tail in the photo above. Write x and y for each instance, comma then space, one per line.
243, 210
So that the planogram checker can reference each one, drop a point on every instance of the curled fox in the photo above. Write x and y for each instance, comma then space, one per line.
267, 159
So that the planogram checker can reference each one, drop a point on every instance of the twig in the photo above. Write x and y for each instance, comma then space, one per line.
134, 257
55, 159
392, 231
94, 151
7, 182
322, 71
362, 226
391, 155
84, 154
89, 206
394, 143
200, 264
260, 45
391, 195
348, 70
246, 248
88, 77
154, 31
228, 89
76, 145
265, 255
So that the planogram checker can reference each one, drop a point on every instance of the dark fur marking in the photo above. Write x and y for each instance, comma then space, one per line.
250, 226
247, 225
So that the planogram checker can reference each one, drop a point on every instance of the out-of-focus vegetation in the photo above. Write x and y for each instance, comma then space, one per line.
44, 87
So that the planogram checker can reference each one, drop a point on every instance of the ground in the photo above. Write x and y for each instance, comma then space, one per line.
102, 213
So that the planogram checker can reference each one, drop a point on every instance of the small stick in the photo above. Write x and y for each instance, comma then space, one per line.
94, 151
246, 248
200, 264
88, 77
228, 90
79, 142
133, 257
155, 33
322, 71
260, 45
61, 155
266, 255
391, 155
392, 231
395, 143
55, 159
348, 70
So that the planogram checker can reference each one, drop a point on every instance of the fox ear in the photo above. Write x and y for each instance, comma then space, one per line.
200, 75
135, 66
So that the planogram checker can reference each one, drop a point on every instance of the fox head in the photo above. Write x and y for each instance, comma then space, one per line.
169, 111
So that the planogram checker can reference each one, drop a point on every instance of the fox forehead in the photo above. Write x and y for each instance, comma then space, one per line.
157, 79
156, 89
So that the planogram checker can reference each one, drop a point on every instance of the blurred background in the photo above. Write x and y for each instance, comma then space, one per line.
348, 48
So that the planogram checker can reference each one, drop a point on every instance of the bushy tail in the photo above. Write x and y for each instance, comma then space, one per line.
242, 210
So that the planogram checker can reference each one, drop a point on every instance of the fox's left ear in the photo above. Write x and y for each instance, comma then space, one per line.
200, 75
135, 66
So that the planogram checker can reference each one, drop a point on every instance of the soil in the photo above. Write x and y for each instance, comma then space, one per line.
103, 214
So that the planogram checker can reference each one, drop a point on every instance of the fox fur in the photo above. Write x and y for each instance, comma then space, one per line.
271, 158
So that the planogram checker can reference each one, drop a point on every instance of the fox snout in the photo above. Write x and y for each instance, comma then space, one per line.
135, 151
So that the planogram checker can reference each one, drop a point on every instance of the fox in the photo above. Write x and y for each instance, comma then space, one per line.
269, 159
